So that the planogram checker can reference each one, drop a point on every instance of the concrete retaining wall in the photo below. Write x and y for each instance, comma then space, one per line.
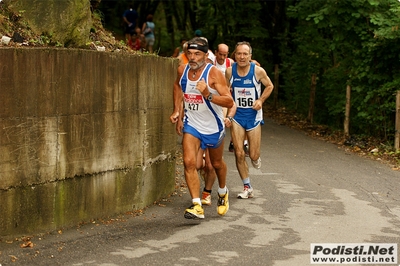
83, 134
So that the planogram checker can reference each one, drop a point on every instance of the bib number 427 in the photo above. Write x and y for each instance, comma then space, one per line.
193, 106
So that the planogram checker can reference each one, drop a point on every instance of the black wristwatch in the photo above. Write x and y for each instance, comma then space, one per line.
230, 118
210, 97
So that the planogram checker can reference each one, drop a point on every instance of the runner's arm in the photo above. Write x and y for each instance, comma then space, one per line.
266, 81
217, 81
262, 76
179, 123
228, 75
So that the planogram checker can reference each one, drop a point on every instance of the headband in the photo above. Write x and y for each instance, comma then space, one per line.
200, 47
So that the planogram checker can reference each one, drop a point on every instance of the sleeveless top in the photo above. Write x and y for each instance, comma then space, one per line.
151, 25
245, 90
201, 114
224, 66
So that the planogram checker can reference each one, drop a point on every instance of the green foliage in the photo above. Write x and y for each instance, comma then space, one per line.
345, 42
228, 21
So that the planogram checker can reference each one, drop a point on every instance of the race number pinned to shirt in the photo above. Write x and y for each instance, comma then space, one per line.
194, 102
245, 97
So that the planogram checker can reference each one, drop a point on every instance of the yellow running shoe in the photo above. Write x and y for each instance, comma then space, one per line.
223, 203
194, 212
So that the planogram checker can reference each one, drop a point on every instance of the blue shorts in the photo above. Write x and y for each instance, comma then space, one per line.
206, 141
249, 124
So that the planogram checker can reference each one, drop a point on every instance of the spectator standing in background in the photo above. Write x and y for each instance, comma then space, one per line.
130, 18
148, 31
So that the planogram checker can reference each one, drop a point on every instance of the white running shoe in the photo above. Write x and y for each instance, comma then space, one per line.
256, 164
246, 194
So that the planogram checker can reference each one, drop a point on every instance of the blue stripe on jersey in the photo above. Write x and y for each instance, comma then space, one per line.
205, 76
183, 80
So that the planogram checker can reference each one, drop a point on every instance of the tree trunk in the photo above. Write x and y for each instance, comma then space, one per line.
310, 117
347, 112
397, 126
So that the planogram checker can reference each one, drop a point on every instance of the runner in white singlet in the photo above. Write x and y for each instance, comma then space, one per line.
202, 90
222, 61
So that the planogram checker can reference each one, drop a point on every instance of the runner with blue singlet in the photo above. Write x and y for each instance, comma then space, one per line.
245, 79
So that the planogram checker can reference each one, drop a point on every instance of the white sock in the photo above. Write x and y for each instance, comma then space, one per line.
222, 191
196, 200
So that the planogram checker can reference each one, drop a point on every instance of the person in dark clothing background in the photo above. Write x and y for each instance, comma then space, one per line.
130, 17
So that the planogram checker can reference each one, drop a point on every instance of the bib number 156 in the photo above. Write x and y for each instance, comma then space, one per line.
245, 102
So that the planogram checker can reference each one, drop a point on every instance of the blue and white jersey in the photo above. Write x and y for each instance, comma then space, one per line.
245, 90
201, 114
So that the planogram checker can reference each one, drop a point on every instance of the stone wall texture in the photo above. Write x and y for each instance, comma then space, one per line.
83, 135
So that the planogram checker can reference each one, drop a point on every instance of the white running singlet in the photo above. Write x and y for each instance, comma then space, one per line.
201, 114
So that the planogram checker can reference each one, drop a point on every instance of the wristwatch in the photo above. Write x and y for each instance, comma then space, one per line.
230, 118
210, 97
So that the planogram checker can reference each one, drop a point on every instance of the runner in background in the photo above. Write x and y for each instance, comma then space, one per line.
222, 62
245, 79
183, 59
179, 50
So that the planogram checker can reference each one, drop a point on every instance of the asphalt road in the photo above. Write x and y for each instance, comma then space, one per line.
307, 191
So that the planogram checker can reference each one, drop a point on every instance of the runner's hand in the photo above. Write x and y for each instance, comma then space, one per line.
257, 105
202, 87
174, 117
227, 122
179, 127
